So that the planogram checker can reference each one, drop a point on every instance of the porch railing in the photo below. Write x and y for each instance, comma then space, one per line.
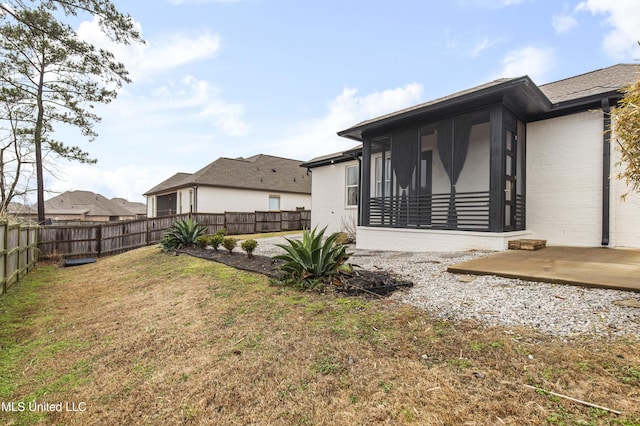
471, 211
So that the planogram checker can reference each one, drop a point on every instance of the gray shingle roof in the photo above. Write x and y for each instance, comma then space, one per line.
78, 202
133, 206
177, 180
594, 83
261, 172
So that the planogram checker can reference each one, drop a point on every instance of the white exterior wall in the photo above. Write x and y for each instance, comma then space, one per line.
625, 222
219, 200
425, 240
564, 179
329, 198
564, 185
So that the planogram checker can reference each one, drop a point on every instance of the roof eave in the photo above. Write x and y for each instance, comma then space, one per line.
522, 84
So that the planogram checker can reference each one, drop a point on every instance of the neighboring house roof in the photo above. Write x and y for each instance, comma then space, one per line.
174, 181
20, 209
260, 172
522, 93
84, 202
133, 206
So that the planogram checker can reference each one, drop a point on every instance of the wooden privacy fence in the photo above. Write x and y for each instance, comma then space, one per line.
18, 245
111, 238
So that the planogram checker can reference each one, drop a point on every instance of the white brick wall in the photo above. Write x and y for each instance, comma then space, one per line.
423, 240
328, 198
564, 185
625, 223
564, 179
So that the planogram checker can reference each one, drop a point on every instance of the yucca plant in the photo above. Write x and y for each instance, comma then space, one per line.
183, 233
312, 258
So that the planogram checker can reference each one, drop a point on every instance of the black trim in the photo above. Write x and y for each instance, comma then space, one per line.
522, 92
606, 171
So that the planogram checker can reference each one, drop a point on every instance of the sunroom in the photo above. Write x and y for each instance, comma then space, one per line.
454, 167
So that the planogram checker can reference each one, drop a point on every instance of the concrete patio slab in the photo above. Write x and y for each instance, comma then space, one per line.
583, 266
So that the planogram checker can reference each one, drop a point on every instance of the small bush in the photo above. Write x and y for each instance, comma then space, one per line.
249, 246
202, 241
215, 241
229, 243
222, 231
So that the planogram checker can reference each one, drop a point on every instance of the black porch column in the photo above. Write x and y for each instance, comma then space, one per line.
496, 175
365, 182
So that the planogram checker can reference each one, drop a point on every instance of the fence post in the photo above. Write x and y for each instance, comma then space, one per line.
5, 253
99, 237
19, 251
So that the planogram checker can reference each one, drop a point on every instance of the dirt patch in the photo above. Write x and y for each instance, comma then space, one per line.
360, 282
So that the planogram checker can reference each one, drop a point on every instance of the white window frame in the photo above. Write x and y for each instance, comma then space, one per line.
378, 176
274, 197
351, 185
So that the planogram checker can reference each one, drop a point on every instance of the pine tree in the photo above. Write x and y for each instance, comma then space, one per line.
49, 70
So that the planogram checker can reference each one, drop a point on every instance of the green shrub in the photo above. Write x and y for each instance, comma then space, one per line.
229, 243
222, 231
312, 259
249, 246
215, 241
202, 241
183, 233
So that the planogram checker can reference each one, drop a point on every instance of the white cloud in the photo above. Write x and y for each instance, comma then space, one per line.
532, 61
190, 103
318, 137
142, 60
621, 43
563, 23
483, 45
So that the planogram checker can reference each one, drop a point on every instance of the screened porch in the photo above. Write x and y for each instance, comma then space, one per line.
463, 172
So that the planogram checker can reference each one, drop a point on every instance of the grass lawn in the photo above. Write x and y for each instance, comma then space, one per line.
148, 338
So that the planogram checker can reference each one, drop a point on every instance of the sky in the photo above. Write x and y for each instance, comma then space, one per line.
235, 78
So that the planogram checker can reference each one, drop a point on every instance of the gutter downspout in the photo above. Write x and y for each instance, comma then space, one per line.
606, 171
359, 160
195, 198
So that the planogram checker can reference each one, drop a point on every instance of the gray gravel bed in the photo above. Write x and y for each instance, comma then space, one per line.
556, 309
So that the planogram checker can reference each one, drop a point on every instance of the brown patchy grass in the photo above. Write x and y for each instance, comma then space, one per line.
148, 338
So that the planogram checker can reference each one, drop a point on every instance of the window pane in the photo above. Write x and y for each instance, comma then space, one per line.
352, 175
352, 199
274, 203
352, 185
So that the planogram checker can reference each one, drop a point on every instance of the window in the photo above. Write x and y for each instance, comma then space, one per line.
387, 177
274, 202
352, 185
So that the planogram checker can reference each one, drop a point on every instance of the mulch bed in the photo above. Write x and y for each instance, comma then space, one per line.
360, 282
